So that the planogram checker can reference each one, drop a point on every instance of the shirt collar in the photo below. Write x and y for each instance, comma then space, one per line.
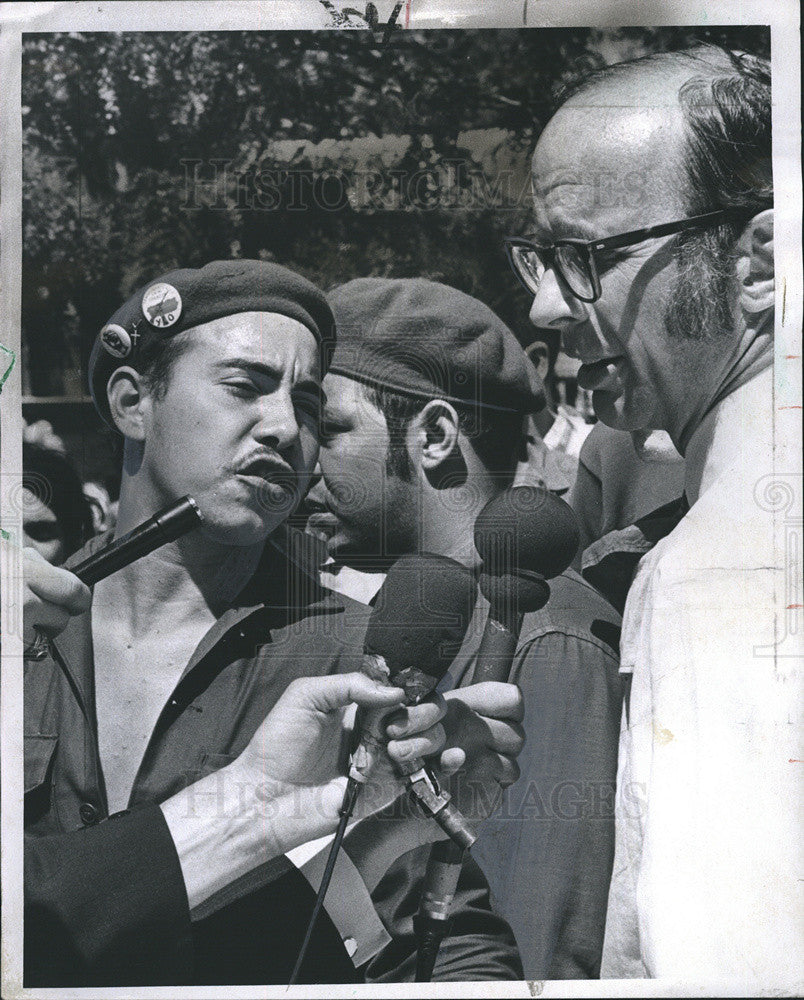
610, 562
280, 592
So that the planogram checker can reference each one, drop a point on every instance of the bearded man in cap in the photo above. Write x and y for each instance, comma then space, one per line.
659, 274
427, 396
156, 688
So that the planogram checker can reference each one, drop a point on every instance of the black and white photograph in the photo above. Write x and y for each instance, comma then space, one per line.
401, 499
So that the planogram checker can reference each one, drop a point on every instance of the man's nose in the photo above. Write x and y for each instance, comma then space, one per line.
278, 425
554, 306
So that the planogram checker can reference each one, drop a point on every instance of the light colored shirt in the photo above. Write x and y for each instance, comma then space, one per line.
706, 871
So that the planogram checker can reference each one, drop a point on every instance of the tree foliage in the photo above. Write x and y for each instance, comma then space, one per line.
144, 152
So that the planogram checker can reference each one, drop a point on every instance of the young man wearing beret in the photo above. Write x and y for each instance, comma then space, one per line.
426, 397
156, 685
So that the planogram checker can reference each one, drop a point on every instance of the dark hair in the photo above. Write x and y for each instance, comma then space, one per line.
156, 359
53, 481
495, 435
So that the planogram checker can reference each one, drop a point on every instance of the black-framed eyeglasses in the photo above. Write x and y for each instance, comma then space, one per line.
574, 260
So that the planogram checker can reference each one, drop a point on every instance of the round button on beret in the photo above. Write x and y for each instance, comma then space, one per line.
428, 340
186, 298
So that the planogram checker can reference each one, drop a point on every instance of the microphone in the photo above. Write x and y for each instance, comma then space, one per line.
165, 526
418, 624
524, 536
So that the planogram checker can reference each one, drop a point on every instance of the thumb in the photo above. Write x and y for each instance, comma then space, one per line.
325, 694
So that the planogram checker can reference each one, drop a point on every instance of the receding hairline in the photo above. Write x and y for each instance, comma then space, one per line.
649, 81
649, 89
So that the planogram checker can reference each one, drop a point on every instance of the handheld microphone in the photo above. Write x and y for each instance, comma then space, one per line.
418, 623
417, 626
525, 536
165, 526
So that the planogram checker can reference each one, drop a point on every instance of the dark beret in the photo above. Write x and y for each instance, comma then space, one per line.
428, 340
186, 298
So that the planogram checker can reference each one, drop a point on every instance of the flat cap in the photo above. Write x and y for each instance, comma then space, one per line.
186, 298
428, 340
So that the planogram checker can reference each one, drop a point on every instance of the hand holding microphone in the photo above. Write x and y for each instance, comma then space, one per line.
418, 624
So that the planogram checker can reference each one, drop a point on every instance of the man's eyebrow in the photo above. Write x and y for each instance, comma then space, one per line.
332, 409
311, 386
270, 371
251, 365
577, 229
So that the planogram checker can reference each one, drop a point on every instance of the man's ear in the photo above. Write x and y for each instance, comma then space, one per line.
539, 354
755, 264
128, 399
436, 430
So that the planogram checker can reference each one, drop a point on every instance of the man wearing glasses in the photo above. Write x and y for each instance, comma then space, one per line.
652, 253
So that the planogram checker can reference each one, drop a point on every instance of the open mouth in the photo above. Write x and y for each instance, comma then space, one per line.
265, 471
274, 485
600, 374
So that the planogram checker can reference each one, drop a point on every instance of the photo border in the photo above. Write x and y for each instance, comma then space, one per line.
19, 18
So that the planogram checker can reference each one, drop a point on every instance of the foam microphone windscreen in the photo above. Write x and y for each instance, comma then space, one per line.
524, 593
525, 530
421, 615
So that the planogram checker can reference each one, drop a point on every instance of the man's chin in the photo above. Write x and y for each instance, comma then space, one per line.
359, 554
341, 547
624, 411
250, 528
322, 525
654, 446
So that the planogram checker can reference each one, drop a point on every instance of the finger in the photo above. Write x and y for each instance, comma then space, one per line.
452, 759
326, 694
493, 768
507, 771
54, 584
416, 718
493, 699
422, 745
467, 729
504, 737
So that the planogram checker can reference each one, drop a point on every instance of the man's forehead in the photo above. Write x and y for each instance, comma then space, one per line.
349, 398
604, 163
343, 393
259, 336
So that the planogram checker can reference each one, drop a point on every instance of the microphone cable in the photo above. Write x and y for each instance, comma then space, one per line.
345, 812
